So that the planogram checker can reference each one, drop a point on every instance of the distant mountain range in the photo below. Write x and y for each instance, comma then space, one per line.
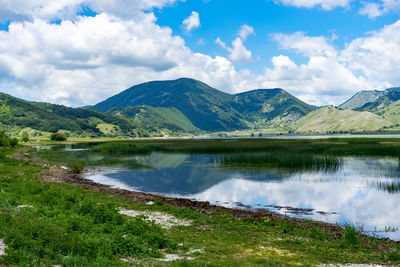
190, 106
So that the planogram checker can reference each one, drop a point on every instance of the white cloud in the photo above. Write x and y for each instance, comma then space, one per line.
84, 60
66, 9
330, 75
324, 79
238, 53
192, 22
101, 56
307, 46
324, 4
245, 31
376, 56
373, 10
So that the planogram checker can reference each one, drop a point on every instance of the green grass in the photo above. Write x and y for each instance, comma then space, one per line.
46, 224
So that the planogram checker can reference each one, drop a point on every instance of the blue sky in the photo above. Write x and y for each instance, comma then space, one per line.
80, 52
266, 17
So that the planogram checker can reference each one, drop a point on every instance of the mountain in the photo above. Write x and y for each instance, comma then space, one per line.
272, 107
329, 119
361, 98
51, 118
372, 100
209, 109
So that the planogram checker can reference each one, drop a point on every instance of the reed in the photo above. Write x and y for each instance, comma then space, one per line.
289, 161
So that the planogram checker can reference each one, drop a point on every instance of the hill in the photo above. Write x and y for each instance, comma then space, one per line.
329, 119
391, 113
51, 118
161, 119
372, 100
209, 109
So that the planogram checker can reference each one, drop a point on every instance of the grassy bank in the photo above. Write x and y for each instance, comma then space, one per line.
45, 223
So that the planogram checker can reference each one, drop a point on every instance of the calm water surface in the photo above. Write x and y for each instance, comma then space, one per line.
363, 191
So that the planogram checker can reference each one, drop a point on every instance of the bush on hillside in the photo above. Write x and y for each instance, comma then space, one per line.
58, 137
25, 137
13, 142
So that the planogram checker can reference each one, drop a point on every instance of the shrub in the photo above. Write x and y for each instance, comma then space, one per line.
25, 137
13, 142
76, 166
58, 137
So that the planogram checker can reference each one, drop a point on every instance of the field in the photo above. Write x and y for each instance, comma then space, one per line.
49, 216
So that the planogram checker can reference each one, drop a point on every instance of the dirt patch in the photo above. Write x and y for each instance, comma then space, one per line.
166, 221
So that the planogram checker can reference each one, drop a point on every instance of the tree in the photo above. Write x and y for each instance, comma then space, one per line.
58, 137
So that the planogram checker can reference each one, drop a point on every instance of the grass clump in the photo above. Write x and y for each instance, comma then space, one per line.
350, 237
76, 166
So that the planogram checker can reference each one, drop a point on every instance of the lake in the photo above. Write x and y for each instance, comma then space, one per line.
363, 191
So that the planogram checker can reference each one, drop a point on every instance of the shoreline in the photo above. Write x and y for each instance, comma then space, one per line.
56, 174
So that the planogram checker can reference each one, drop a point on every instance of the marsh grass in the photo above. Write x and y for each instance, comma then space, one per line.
290, 161
330, 147
392, 188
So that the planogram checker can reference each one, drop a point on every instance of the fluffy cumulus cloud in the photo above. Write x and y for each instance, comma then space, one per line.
376, 56
376, 9
324, 4
83, 60
238, 53
192, 22
323, 76
66, 9
331, 75
86, 59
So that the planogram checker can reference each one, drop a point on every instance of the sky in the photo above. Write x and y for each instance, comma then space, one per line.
80, 52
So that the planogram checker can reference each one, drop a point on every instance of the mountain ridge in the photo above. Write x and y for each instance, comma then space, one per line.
208, 108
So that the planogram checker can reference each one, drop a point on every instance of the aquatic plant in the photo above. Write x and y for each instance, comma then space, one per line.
290, 161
